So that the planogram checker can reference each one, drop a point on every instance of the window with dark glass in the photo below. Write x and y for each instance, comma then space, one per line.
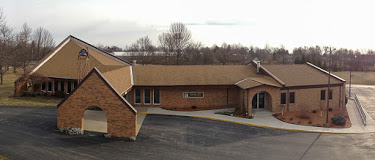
330, 94
62, 86
147, 96
69, 87
283, 98
323, 95
74, 84
56, 85
292, 97
50, 86
43, 86
137, 96
156, 96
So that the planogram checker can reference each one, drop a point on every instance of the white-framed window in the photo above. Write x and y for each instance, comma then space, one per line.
43, 86
56, 86
147, 96
62, 86
49, 86
193, 95
322, 95
157, 96
283, 98
69, 87
292, 97
137, 96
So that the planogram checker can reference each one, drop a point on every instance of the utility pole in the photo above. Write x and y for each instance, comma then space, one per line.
329, 82
350, 83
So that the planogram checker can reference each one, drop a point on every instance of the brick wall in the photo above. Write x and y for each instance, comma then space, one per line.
121, 120
308, 99
172, 97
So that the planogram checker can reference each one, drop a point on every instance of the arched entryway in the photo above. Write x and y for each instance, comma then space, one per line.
262, 100
94, 119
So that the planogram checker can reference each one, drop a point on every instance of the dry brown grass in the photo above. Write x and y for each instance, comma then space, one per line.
7, 89
366, 78
3, 157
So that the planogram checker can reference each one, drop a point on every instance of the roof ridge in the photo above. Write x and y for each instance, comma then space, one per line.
324, 71
106, 82
100, 50
270, 73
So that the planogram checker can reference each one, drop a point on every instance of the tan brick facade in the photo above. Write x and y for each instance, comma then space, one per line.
95, 92
306, 99
172, 97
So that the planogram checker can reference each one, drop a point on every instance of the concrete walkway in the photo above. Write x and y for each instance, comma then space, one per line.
266, 120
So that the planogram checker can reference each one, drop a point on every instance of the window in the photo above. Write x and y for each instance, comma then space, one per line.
43, 86
156, 96
74, 84
62, 86
69, 87
330, 94
193, 95
147, 96
137, 96
49, 86
56, 86
323, 95
292, 97
283, 98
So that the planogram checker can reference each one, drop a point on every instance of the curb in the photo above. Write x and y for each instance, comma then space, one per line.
249, 124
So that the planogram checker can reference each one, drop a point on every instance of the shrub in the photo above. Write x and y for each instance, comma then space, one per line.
314, 111
291, 119
304, 117
60, 94
193, 107
338, 119
238, 110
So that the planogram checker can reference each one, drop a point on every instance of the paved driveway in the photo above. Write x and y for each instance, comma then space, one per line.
29, 133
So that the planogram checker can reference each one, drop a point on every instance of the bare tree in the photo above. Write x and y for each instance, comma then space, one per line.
175, 40
22, 57
143, 49
6, 44
42, 43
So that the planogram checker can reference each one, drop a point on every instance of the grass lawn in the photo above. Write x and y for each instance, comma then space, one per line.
7, 89
3, 157
367, 78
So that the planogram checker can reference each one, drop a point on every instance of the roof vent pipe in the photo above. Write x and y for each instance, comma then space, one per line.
134, 62
258, 66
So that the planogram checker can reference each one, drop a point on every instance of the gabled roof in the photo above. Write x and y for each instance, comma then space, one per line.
96, 71
301, 75
173, 75
62, 61
121, 79
257, 81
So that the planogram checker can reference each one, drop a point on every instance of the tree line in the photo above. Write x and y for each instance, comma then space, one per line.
175, 47
20, 49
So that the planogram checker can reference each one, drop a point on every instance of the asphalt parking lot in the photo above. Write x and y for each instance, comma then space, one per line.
30, 133
366, 95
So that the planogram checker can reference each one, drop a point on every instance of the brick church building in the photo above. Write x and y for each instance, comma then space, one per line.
254, 86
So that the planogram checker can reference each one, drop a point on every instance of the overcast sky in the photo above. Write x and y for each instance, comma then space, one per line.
291, 23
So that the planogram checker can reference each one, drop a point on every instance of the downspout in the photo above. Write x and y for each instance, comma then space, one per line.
287, 100
227, 97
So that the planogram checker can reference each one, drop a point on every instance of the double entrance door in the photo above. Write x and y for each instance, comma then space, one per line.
259, 100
